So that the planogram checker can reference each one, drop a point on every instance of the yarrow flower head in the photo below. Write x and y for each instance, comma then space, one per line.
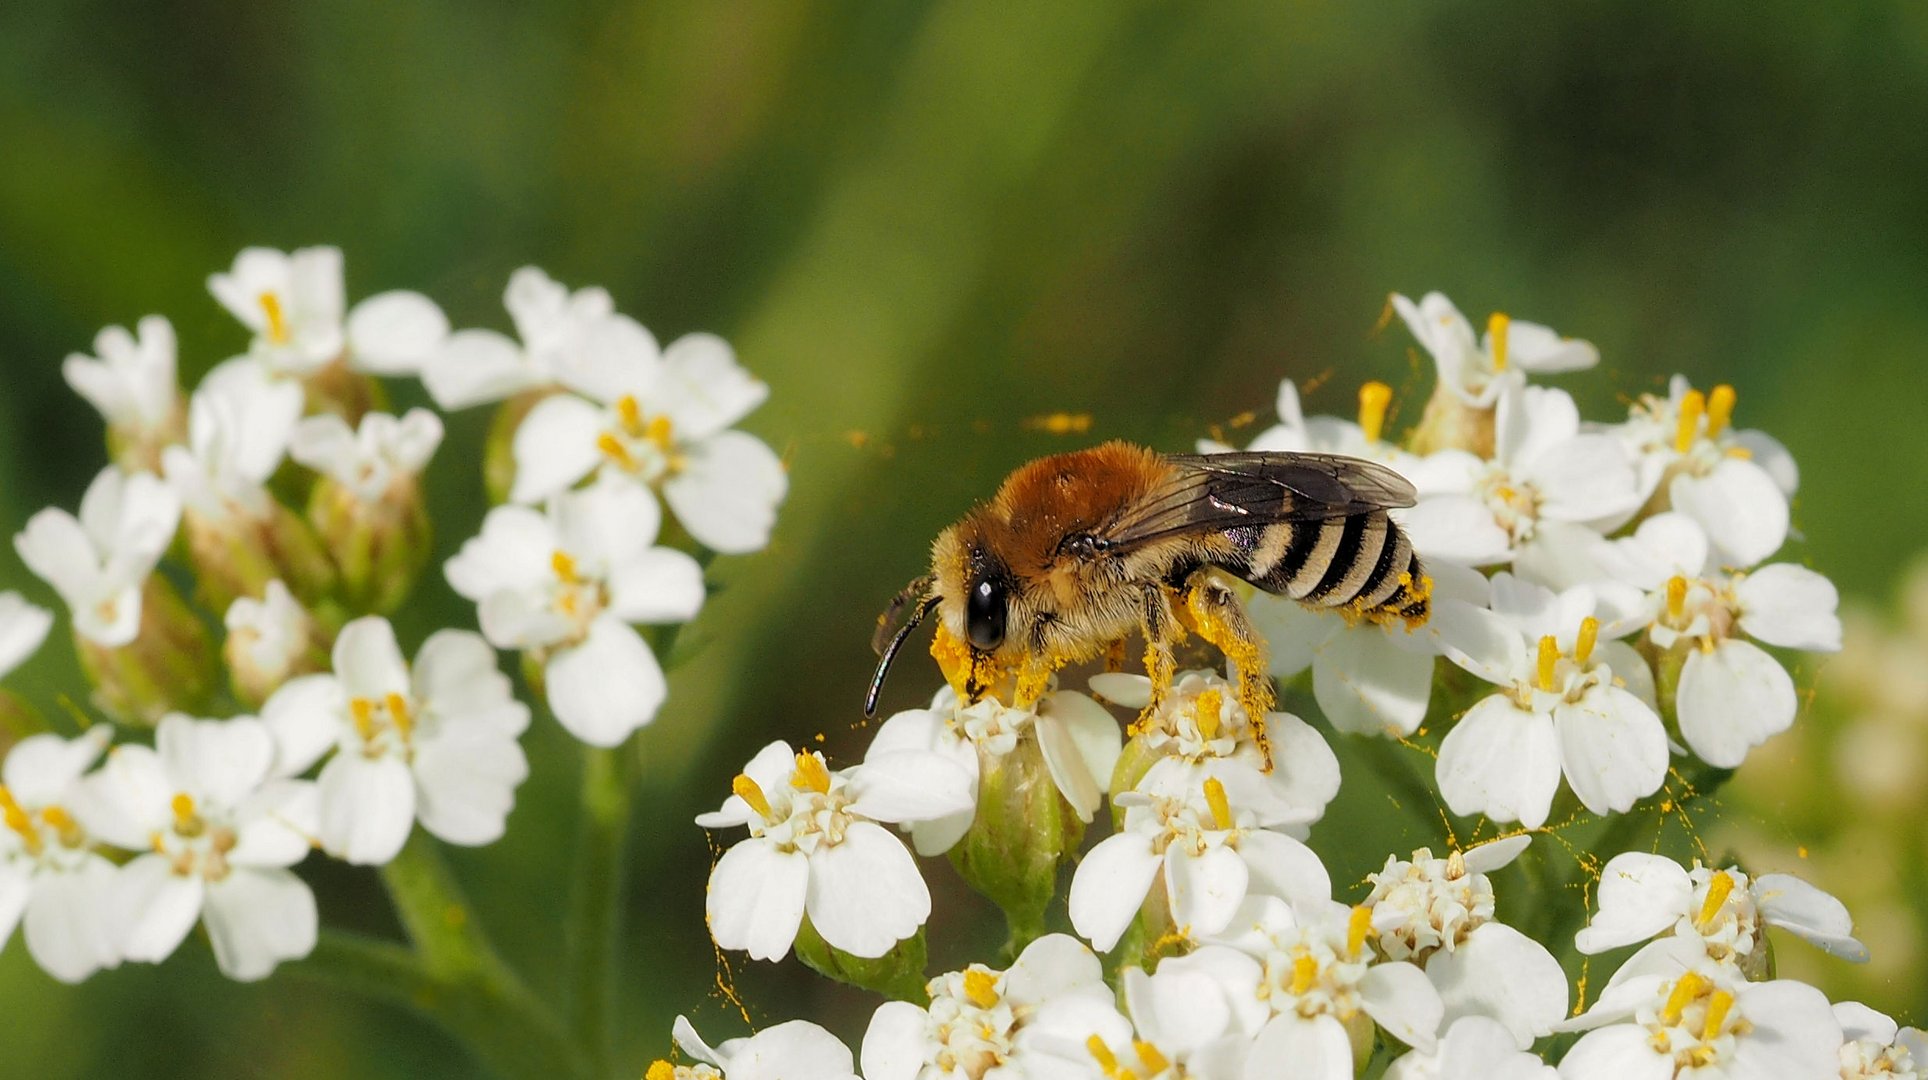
99, 561
1705, 1022
435, 741
565, 586
52, 874
815, 849
369, 507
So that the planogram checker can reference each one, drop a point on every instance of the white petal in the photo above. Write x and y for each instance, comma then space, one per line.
367, 660
465, 784
1858, 1021
305, 716
367, 808
611, 356
660, 585
41, 768
1283, 867
125, 800
555, 446
1110, 886
1292, 633
1768, 452
1500, 761
1743, 510
1081, 743
728, 492
608, 686
1124, 688
794, 1050
216, 760
689, 1042
1788, 902
1618, 1052
910, 785
607, 523
1367, 684
1501, 973
1530, 422
865, 893
1494, 854
1403, 1002
512, 552
1292, 1047
396, 333
160, 905
756, 897
895, 1047
702, 389
1805, 1039
1052, 966
1456, 528
1205, 889
1305, 771
71, 924
258, 918
457, 681
1481, 641
1588, 478
16, 887
1790, 606
60, 553
1639, 896
278, 825
474, 366
1731, 700
23, 626
1536, 348
1612, 748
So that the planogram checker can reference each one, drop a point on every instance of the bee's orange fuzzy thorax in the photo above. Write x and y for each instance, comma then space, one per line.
1047, 499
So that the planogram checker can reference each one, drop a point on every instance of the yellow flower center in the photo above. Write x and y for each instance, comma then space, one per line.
277, 319
1548, 660
1358, 928
980, 988
1374, 398
660, 1070
1692, 406
1720, 409
811, 775
1208, 710
187, 822
1305, 973
1719, 888
1496, 327
1221, 807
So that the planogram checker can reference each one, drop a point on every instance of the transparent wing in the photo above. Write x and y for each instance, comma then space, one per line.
1216, 492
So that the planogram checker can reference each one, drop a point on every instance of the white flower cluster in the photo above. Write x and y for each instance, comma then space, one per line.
1609, 589
115, 845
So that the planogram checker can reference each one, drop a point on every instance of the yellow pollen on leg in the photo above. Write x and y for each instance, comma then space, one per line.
1589, 635
747, 790
1692, 406
1718, 1007
1676, 597
1107, 1061
277, 319
1549, 659
631, 415
613, 449
1208, 710
980, 988
1154, 1059
565, 567
1720, 409
1374, 398
398, 714
1689, 988
1719, 887
362, 711
1221, 806
1496, 327
660, 1070
811, 774
1305, 972
1358, 928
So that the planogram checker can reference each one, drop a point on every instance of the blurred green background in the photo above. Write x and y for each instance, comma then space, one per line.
925, 223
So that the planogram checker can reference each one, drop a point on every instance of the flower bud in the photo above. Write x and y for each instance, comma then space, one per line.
498, 452
1449, 423
368, 507
270, 641
18, 719
1024, 828
339, 390
167, 667
898, 974
236, 555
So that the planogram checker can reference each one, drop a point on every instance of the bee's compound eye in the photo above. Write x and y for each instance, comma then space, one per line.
984, 614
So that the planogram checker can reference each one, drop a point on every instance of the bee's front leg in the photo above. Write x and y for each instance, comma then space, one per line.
1221, 620
1156, 622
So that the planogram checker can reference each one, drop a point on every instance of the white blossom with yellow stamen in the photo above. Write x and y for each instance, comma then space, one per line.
434, 742
557, 327
1705, 1023
815, 849
1569, 704
53, 878
565, 587
1735, 483
1032, 1021
1720, 913
131, 380
1874, 1047
796, 1050
661, 422
1477, 370
1211, 843
294, 303
1732, 695
218, 833
99, 560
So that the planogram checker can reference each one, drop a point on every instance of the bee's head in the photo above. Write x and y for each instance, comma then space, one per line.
974, 585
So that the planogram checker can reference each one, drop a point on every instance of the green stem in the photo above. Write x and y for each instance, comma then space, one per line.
504, 1025
591, 937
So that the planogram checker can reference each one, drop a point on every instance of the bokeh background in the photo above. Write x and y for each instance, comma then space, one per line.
923, 223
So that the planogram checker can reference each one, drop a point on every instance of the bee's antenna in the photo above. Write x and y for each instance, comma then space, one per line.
919, 588
890, 651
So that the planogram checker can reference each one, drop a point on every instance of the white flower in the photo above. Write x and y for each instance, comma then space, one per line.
1211, 845
1438, 913
815, 848
372, 458
132, 380
436, 743
998, 1023
1078, 738
267, 638
1473, 1048
1874, 1046
293, 302
239, 422
1547, 488
1736, 484
566, 585
1568, 704
1201, 730
1705, 1025
661, 421
217, 836
1195, 1018
1478, 370
797, 1050
1732, 694
50, 872
23, 626
1722, 911
558, 329
98, 562
1322, 983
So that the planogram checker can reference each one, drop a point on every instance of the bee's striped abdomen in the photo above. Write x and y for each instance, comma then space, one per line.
1364, 562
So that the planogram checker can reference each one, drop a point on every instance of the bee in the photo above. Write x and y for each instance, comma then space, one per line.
1078, 551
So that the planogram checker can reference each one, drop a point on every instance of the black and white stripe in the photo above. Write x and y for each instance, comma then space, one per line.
1357, 559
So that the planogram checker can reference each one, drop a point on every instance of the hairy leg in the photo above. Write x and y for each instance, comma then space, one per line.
1156, 621
1220, 619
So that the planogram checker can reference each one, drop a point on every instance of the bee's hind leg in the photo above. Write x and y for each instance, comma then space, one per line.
1220, 619
1160, 627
